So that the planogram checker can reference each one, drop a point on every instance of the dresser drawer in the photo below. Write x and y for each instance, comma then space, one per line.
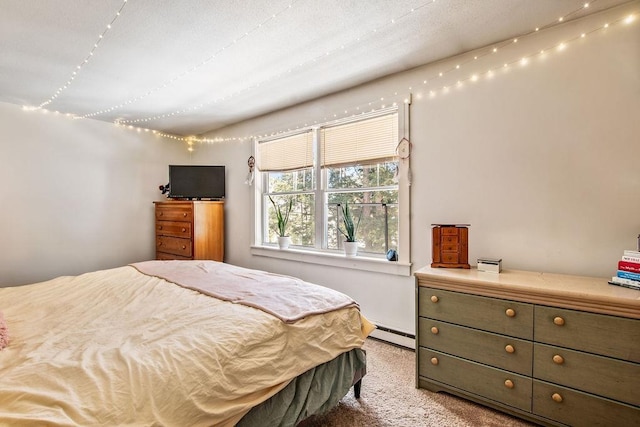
616, 379
511, 354
612, 336
449, 239
496, 384
172, 228
174, 245
490, 314
450, 247
449, 257
449, 231
576, 408
169, 257
174, 213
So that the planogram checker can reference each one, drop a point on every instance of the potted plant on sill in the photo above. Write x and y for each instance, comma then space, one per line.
349, 232
283, 219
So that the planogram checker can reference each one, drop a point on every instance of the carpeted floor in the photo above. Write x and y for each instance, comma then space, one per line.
389, 398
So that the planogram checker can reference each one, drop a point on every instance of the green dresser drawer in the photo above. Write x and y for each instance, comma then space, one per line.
490, 314
500, 351
576, 408
485, 381
616, 379
602, 334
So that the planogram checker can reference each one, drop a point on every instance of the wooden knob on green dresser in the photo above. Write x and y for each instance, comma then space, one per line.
556, 397
434, 360
509, 348
558, 321
558, 360
508, 384
510, 312
434, 298
434, 330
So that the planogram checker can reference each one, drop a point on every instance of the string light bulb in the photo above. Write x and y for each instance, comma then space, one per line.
86, 60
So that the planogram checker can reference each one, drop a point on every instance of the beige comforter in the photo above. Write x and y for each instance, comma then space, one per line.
118, 347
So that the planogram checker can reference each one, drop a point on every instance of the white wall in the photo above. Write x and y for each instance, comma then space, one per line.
541, 160
76, 194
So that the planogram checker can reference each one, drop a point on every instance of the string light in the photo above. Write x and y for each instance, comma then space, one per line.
445, 89
79, 67
193, 69
278, 76
432, 93
309, 62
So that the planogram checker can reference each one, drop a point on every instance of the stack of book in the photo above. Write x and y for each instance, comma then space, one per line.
628, 274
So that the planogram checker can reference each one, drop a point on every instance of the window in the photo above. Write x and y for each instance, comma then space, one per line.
322, 168
287, 166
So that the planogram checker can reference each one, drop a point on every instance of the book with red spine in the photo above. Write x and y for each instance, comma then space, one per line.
633, 267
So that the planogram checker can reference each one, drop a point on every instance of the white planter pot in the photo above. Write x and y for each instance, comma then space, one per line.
284, 242
350, 248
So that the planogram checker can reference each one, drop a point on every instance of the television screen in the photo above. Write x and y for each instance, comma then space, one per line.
196, 182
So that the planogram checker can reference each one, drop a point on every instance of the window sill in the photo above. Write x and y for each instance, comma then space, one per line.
378, 265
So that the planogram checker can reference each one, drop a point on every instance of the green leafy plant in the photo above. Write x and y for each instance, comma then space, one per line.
350, 228
282, 216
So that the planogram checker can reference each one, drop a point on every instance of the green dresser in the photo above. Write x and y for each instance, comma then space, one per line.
553, 349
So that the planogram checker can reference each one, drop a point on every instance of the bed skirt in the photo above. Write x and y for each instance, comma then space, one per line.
314, 392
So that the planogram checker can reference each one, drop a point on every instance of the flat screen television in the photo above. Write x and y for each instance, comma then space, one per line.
196, 182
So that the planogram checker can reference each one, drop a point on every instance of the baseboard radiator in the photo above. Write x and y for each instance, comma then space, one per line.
393, 336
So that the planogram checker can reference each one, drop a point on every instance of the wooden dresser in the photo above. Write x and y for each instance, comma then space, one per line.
189, 230
554, 349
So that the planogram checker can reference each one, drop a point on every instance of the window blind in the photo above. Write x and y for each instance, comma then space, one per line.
367, 141
286, 154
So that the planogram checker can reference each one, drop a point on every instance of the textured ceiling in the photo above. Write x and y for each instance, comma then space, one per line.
190, 66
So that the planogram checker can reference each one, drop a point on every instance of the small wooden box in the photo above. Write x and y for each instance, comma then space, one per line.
450, 245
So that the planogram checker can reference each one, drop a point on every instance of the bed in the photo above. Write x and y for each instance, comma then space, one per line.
196, 343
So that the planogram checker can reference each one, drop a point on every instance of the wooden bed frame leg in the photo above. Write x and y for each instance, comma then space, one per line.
356, 388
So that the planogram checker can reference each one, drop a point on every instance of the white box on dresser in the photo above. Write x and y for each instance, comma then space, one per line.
554, 349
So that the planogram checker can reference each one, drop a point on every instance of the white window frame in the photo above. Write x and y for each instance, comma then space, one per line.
317, 255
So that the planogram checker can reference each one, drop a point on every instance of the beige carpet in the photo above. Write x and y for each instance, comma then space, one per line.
389, 398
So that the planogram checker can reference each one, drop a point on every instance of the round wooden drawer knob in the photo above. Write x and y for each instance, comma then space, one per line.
434, 298
160, 227
556, 397
558, 321
184, 247
434, 330
509, 348
434, 360
184, 214
160, 214
557, 359
184, 229
508, 384
510, 312
160, 244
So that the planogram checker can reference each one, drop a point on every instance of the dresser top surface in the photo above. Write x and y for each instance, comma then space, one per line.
578, 292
